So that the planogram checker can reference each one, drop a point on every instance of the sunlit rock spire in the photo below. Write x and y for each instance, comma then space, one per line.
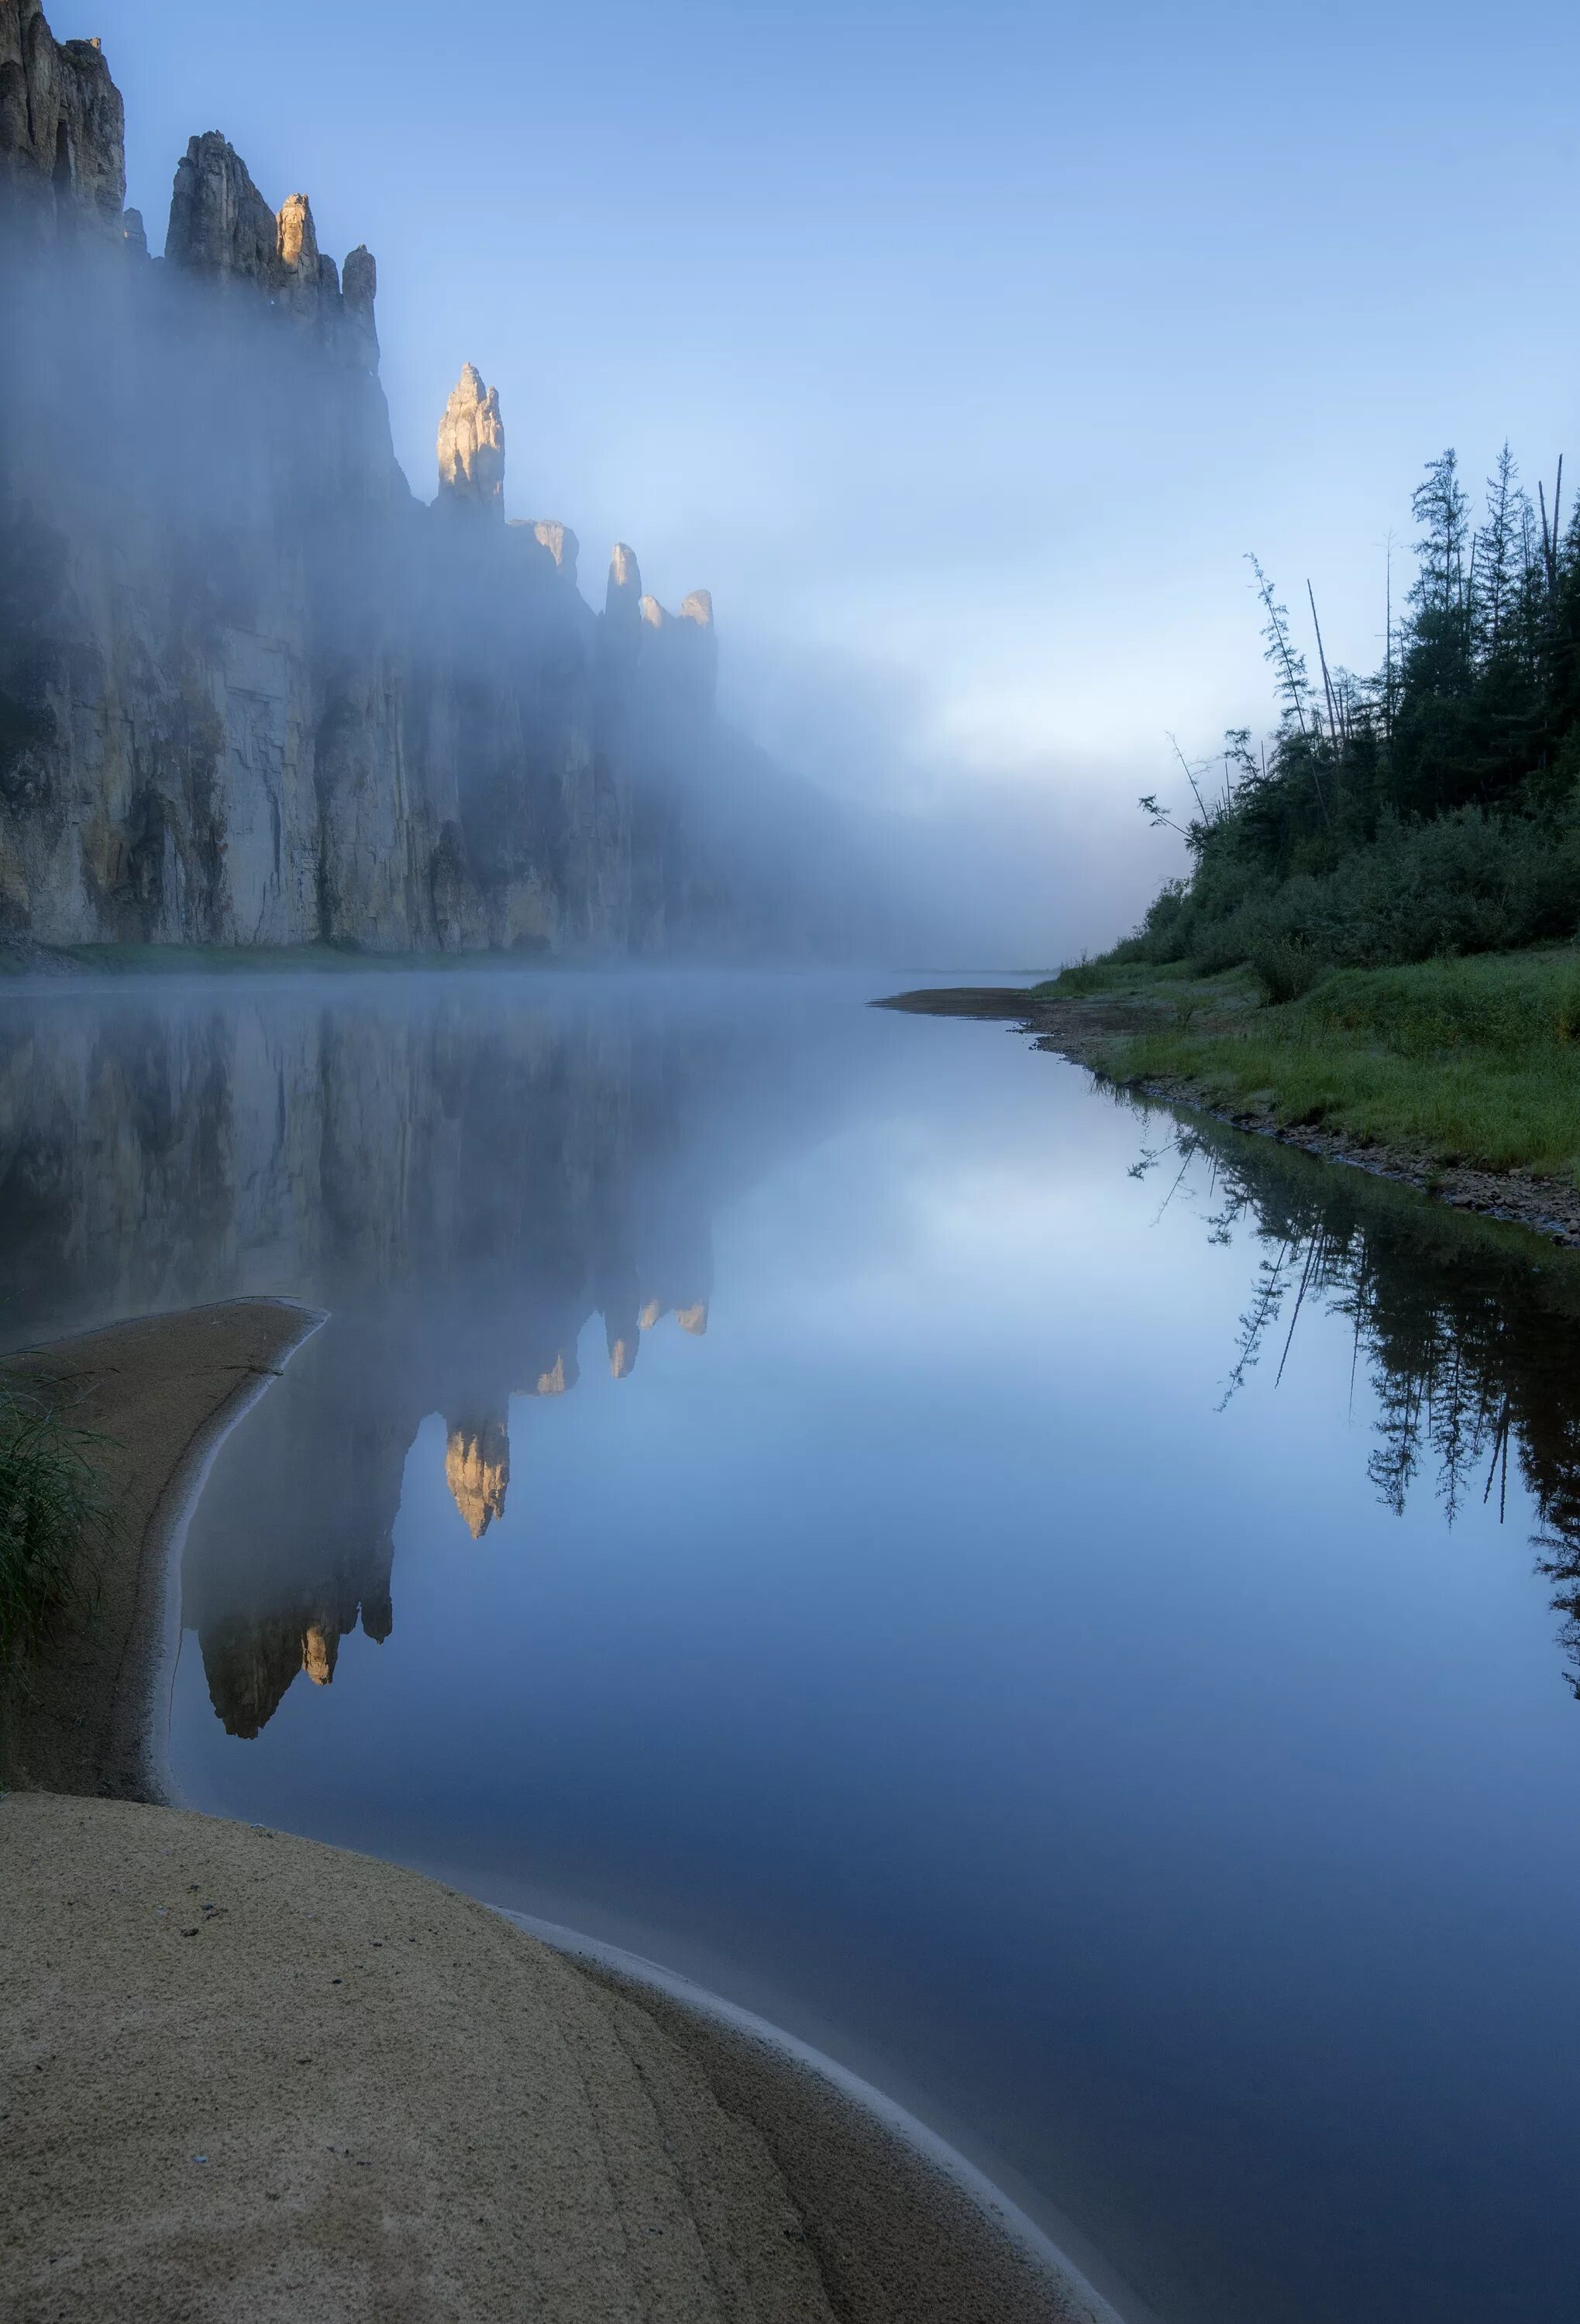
298, 269
476, 1468
623, 597
561, 542
471, 446
320, 1648
679, 655
561, 1377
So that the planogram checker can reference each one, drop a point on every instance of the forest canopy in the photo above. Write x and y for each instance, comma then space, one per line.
1430, 809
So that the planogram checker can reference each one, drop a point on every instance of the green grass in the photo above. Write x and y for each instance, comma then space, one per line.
1083, 978
53, 1517
1471, 1060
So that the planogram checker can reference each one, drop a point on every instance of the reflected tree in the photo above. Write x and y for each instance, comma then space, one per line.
1467, 1332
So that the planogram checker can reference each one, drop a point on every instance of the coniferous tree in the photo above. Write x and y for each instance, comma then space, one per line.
1501, 552
1433, 807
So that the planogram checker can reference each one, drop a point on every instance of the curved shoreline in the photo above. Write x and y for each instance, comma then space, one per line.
163, 1392
717, 2122
781, 2061
1086, 1032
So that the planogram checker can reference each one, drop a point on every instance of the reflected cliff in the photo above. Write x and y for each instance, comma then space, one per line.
1467, 1332
472, 1185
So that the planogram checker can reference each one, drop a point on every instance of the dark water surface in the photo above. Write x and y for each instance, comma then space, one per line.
1072, 1618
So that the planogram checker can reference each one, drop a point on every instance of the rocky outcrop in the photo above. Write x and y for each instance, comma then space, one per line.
471, 446
253, 692
220, 226
477, 1470
62, 136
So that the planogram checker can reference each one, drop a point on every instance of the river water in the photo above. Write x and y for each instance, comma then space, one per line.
1072, 1615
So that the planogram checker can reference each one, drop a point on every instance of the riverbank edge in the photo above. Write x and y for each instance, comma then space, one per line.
898, 2237
1094, 1033
160, 1393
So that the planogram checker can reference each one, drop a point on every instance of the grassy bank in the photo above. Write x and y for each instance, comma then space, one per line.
1472, 1061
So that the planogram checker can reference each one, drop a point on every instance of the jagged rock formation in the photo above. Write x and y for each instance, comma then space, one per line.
471, 446
62, 135
252, 691
477, 1470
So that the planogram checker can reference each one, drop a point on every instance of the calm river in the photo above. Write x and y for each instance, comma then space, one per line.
1074, 1618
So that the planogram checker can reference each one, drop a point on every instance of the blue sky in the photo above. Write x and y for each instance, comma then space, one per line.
963, 350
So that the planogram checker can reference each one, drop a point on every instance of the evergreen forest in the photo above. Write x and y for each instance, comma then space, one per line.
1430, 809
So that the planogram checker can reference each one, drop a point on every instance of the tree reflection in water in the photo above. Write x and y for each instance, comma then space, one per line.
1468, 1330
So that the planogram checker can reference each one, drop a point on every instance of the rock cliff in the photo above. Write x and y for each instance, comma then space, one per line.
252, 690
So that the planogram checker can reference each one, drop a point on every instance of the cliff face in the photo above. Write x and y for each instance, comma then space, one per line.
252, 691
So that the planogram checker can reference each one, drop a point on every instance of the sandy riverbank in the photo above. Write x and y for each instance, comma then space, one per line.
247, 2076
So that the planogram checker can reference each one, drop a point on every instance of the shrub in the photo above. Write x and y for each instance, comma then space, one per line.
51, 1517
1286, 969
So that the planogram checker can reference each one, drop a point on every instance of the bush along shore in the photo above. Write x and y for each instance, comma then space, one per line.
1372, 949
53, 1521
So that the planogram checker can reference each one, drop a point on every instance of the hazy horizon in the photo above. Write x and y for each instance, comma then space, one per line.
961, 352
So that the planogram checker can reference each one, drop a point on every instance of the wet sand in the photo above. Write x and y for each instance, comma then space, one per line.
248, 2077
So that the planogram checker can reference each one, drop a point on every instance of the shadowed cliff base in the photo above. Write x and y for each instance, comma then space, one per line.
233, 2022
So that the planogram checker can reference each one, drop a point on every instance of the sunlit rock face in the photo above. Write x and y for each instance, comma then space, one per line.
560, 543
471, 446
252, 691
477, 1470
318, 1650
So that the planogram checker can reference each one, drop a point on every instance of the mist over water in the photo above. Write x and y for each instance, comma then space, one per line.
1071, 1617
1072, 1611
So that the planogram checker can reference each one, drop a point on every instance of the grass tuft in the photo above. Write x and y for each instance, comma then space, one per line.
53, 1517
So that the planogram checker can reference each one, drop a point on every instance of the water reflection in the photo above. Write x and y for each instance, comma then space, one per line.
465, 1187
889, 1633
1468, 1332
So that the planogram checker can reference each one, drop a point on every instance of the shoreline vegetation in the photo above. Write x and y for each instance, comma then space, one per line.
1458, 1077
52, 1519
1373, 951
585, 2145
